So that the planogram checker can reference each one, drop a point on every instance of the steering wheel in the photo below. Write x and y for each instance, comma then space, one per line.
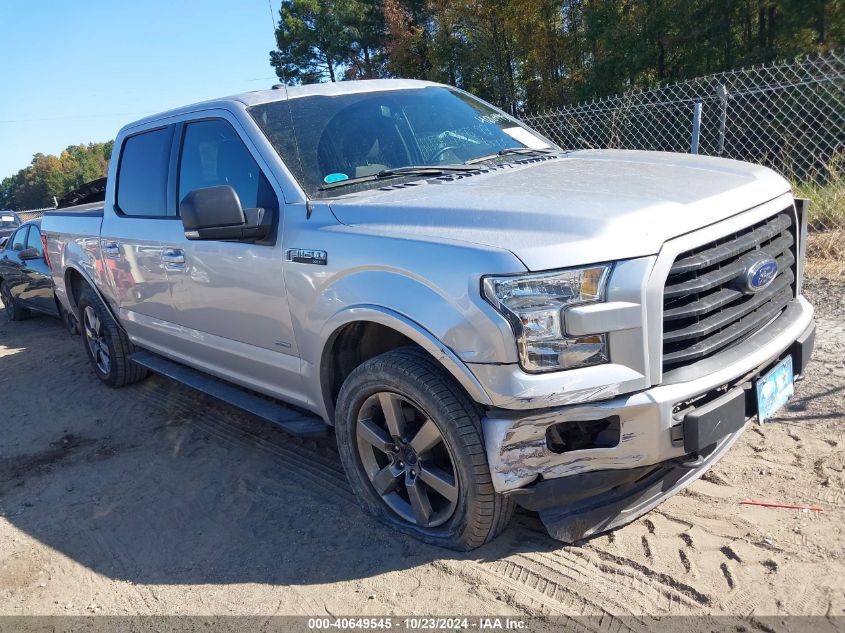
439, 153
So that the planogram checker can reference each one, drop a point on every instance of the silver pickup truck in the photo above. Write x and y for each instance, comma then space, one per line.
484, 319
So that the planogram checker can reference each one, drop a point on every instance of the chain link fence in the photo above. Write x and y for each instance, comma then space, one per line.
790, 117
32, 214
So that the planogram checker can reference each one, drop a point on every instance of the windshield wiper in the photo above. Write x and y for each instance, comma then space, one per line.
396, 172
507, 152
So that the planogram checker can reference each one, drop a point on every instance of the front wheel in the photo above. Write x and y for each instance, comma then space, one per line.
411, 444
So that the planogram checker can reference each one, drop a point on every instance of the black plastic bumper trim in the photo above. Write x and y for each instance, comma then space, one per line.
802, 349
573, 521
550, 493
711, 422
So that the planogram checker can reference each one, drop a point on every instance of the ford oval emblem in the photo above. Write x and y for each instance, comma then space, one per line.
760, 274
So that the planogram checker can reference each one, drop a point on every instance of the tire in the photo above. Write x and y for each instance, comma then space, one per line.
463, 511
69, 319
106, 345
14, 310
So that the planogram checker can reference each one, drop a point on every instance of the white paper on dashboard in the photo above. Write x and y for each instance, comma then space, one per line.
525, 137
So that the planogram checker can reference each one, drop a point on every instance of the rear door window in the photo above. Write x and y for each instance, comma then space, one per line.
142, 175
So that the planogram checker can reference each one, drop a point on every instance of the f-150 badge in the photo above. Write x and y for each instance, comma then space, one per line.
307, 256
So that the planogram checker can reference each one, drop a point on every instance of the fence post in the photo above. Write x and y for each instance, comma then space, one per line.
696, 127
722, 91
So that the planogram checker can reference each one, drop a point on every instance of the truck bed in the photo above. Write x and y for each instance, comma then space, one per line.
72, 237
94, 209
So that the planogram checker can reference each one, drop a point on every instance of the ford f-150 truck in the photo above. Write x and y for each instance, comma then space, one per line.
484, 319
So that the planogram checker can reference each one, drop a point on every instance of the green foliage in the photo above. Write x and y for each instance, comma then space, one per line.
526, 55
50, 176
311, 41
827, 201
364, 31
319, 39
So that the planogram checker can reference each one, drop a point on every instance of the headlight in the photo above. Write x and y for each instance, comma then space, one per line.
534, 304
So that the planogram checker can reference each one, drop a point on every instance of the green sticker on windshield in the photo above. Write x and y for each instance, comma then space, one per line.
335, 178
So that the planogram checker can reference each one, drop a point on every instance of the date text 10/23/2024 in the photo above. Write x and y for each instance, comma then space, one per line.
418, 623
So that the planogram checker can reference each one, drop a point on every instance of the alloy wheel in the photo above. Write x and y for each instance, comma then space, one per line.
96, 340
407, 460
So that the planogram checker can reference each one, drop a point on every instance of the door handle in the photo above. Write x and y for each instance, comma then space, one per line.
173, 257
111, 250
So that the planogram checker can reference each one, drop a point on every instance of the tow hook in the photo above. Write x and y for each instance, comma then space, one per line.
691, 461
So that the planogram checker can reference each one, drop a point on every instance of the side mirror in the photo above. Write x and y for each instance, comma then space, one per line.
29, 253
215, 213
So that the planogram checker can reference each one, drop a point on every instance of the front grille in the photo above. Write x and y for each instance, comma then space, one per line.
704, 308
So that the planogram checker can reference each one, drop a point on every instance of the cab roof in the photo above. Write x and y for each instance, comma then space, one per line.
282, 93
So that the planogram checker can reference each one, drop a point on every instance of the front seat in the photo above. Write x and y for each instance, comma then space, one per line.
361, 144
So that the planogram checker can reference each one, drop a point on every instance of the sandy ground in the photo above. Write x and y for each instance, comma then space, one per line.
155, 500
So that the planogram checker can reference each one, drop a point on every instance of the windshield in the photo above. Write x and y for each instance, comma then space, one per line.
8, 221
328, 139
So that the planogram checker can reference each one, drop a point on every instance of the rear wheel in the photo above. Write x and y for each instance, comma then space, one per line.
410, 442
69, 319
107, 346
14, 310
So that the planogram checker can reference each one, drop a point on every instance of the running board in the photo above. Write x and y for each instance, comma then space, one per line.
292, 420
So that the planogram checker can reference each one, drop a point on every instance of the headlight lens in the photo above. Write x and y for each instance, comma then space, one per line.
534, 304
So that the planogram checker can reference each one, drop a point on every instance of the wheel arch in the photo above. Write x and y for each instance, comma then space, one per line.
76, 280
364, 331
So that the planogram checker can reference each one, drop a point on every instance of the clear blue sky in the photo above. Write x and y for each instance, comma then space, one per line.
76, 71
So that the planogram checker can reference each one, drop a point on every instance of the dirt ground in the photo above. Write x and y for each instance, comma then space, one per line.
156, 500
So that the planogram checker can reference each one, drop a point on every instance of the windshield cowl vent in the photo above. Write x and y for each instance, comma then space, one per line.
445, 178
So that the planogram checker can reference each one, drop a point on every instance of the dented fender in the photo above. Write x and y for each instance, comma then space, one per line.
415, 332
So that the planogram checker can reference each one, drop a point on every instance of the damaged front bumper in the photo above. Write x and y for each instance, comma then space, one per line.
579, 506
646, 446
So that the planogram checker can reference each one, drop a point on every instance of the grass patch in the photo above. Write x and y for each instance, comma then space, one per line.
826, 192
826, 254
827, 203
826, 223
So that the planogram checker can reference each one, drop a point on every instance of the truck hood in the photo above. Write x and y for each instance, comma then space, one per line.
583, 207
